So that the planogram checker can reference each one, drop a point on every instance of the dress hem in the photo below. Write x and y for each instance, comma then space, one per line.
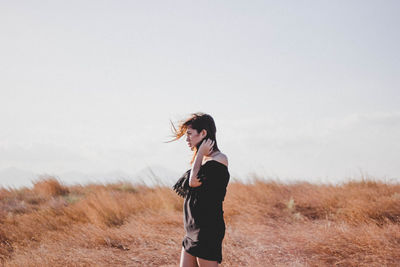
191, 253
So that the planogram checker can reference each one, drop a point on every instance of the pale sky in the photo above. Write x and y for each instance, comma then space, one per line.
304, 90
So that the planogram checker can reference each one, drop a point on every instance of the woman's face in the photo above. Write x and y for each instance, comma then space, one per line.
193, 137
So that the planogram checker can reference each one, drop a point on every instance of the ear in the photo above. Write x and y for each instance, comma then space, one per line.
203, 133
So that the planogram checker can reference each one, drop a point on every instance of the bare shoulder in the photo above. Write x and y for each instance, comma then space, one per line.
222, 158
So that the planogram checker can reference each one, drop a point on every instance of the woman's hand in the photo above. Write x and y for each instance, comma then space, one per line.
206, 147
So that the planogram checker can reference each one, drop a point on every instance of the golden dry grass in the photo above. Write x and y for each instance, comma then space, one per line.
267, 224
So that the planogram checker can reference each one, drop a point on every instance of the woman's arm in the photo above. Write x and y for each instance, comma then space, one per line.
193, 180
205, 149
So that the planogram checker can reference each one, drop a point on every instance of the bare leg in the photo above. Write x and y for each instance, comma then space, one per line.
206, 263
187, 260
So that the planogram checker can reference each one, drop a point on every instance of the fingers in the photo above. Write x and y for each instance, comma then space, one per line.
209, 142
212, 145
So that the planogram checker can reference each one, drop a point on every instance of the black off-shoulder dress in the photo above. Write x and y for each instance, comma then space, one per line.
203, 210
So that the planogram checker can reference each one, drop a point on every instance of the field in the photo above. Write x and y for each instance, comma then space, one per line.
268, 223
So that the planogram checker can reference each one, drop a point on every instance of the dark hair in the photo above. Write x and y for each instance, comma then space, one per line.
197, 121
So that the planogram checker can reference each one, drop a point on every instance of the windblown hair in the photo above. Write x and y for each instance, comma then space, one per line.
197, 121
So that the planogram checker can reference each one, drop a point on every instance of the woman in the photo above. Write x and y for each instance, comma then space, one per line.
203, 188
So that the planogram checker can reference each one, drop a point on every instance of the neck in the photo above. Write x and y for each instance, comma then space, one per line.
212, 154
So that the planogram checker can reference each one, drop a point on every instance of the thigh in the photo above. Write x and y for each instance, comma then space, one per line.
187, 260
206, 263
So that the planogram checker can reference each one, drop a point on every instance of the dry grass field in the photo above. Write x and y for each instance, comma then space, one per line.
267, 224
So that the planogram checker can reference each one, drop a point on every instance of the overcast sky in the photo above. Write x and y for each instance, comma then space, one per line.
298, 89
